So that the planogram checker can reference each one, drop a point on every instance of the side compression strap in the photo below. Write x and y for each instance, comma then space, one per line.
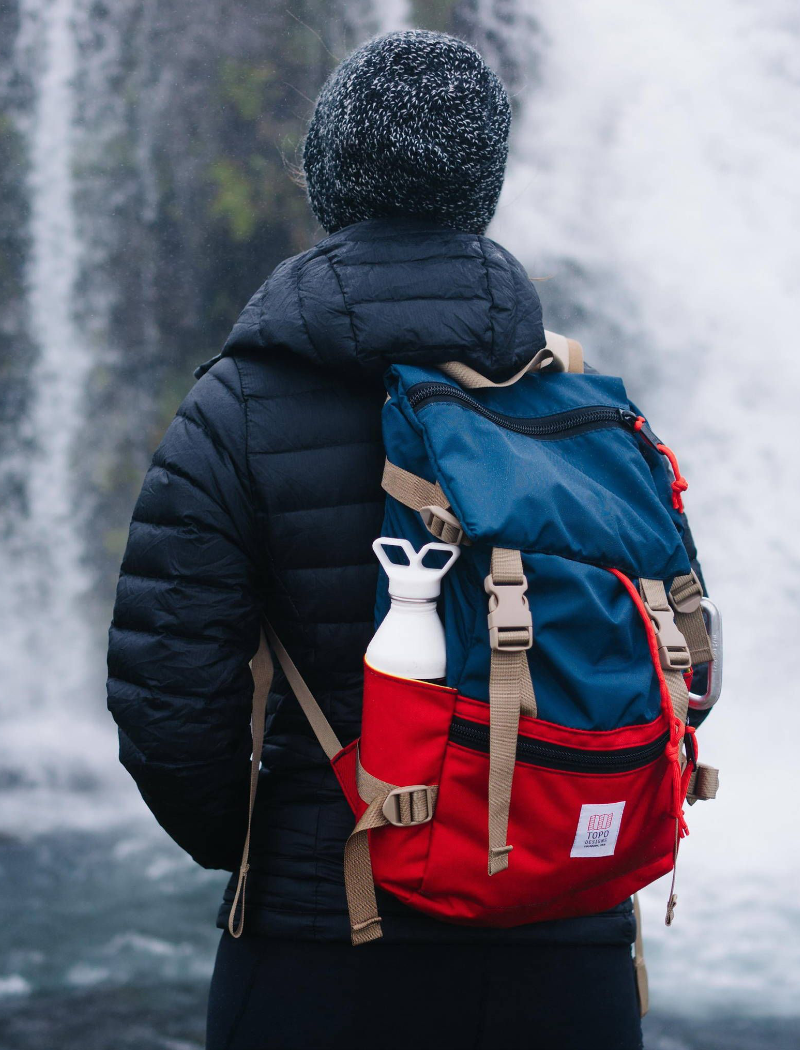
263, 670
684, 597
386, 804
703, 784
673, 651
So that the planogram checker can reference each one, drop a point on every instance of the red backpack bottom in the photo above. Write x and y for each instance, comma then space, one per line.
593, 813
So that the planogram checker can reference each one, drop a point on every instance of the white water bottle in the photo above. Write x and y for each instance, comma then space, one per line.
410, 641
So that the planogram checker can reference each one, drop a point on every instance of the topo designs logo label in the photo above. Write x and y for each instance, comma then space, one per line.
598, 828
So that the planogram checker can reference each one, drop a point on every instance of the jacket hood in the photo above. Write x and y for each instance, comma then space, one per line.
396, 291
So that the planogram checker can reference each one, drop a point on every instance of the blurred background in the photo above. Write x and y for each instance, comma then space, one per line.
146, 151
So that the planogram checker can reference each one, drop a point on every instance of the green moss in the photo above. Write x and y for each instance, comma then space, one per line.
243, 85
233, 201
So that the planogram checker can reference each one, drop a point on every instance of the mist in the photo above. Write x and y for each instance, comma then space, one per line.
146, 155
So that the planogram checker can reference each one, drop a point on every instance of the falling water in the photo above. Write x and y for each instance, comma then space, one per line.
654, 182
393, 15
50, 663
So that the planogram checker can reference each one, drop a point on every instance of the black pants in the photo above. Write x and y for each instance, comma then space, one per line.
270, 994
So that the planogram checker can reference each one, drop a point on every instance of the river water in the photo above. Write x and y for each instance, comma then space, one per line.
653, 186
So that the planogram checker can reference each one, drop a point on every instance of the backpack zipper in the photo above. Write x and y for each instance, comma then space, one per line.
560, 425
553, 756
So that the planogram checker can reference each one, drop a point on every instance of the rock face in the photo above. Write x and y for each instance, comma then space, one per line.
185, 125
149, 154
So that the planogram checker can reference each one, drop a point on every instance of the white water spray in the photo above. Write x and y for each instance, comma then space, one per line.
50, 667
393, 15
654, 178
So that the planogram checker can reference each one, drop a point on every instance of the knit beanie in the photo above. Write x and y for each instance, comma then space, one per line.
412, 123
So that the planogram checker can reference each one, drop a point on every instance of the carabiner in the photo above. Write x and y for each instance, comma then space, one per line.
713, 621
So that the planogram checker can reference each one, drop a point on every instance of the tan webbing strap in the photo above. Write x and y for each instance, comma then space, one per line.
387, 804
672, 648
639, 967
507, 571
568, 353
703, 784
328, 740
575, 356
684, 597
510, 690
675, 659
362, 905
411, 489
559, 354
263, 671
469, 379
427, 498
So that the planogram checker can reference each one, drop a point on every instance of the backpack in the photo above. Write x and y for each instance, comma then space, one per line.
547, 778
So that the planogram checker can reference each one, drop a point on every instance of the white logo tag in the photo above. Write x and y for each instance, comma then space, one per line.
598, 828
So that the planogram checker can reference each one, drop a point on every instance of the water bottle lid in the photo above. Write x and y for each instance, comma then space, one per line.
414, 580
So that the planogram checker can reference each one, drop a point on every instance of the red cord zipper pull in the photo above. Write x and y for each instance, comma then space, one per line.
680, 484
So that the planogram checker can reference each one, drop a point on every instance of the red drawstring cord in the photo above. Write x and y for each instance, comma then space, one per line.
680, 484
680, 778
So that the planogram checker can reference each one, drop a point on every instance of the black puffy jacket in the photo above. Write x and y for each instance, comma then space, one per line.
265, 496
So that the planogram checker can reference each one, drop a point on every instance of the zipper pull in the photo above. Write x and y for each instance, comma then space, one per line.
673, 896
679, 483
640, 426
673, 900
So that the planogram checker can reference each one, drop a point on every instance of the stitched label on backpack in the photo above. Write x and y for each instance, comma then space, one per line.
598, 828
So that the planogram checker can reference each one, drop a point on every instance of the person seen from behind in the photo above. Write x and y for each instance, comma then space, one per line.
263, 500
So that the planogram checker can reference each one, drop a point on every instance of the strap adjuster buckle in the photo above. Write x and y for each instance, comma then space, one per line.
393, 810
673, 652
509, 619
437, 519
688, 598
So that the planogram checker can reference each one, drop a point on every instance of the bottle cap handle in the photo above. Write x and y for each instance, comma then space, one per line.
413, 580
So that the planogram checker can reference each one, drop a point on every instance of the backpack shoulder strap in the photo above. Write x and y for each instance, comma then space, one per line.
263, 671
411, 805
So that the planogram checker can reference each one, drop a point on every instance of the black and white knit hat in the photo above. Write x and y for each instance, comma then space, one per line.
412, 123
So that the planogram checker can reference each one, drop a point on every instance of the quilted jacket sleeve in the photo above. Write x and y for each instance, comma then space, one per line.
186, 623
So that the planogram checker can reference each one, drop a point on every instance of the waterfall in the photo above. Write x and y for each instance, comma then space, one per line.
653, 182
652, 185
392, 15
51, 660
